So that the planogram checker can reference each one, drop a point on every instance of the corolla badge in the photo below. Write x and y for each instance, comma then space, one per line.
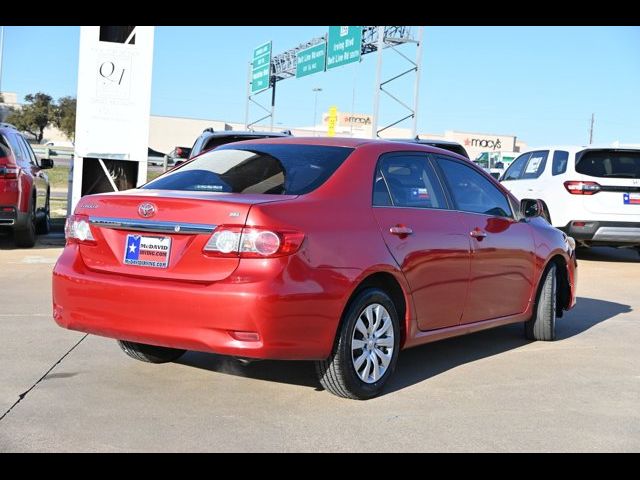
147, 210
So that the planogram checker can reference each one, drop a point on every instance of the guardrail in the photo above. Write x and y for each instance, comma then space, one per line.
48, 152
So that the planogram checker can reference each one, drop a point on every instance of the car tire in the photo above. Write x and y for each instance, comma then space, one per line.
375, 354
150, 353
542, 325
26, 237
43, 225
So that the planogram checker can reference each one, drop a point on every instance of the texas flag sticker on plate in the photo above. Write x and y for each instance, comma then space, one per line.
631, 198
147, 251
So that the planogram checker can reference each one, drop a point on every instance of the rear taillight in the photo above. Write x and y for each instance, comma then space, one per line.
252, 242
78, 230
581, 188
9, 172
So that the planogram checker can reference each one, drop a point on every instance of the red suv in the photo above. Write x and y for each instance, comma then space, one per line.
341, 251
24, 188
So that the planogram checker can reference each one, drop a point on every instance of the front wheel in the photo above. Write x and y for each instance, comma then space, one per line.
366, 350
150, 353
542, 325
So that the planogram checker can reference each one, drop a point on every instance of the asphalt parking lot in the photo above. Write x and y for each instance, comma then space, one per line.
490, 391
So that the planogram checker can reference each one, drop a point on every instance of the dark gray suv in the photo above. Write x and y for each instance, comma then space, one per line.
210, 139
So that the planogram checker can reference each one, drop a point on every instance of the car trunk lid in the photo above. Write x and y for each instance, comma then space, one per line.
161, 234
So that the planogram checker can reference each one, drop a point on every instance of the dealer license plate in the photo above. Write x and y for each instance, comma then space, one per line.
147, 251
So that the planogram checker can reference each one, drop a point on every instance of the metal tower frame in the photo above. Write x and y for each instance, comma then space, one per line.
283, 66
250, 99
383, 42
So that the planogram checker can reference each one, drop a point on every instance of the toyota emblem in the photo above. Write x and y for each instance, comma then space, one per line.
147, 209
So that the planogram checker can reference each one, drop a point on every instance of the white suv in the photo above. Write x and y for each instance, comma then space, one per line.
591, 193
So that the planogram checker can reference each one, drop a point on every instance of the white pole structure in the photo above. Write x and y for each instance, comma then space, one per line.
315, 110
416, 88
1, 51
376, 98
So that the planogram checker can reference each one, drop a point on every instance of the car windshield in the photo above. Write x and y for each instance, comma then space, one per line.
609, 163
267, 169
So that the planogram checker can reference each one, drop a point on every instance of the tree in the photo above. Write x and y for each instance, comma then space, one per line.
34, 117
4, 110
65, 118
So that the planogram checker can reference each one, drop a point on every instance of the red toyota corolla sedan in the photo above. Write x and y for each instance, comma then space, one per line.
342, 251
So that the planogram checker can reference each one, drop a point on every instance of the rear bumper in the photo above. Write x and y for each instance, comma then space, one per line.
295, 319
8, 215
604, 233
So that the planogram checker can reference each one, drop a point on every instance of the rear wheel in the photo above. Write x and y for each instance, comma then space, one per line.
366, 350
150, 353
25, 237
542, 325
43, 225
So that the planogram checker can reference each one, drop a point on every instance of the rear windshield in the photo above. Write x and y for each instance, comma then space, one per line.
271, 169
455, 149
4, 149
609, 163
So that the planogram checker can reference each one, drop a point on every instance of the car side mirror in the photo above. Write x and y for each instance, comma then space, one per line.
531, 207
177, 163
499, 165
46, 163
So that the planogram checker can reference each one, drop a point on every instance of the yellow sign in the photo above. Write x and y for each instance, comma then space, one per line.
333, 120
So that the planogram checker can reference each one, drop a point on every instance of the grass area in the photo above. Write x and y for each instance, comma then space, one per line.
58, 208
58, 176
152, 175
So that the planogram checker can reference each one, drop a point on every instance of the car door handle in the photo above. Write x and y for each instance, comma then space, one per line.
478, 234
400, 230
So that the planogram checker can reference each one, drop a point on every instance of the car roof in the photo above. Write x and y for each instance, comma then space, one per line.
340, 142
7, 126
320, 141
243, 133
424, 140
579, 148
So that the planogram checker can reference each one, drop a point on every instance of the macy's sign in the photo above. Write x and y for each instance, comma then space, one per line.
483, 143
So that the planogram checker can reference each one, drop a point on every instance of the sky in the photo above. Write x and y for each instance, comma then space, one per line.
539, 83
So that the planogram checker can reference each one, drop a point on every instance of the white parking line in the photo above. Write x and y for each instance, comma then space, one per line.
36, 259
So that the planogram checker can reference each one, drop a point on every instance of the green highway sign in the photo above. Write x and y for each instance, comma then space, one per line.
260, 68
311, 60
343, 46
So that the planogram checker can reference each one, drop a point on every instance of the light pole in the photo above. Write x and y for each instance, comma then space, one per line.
315, 108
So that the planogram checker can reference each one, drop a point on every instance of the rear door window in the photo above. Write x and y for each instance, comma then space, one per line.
256, 169
609, 164
407, 180
535, 166
560, 161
